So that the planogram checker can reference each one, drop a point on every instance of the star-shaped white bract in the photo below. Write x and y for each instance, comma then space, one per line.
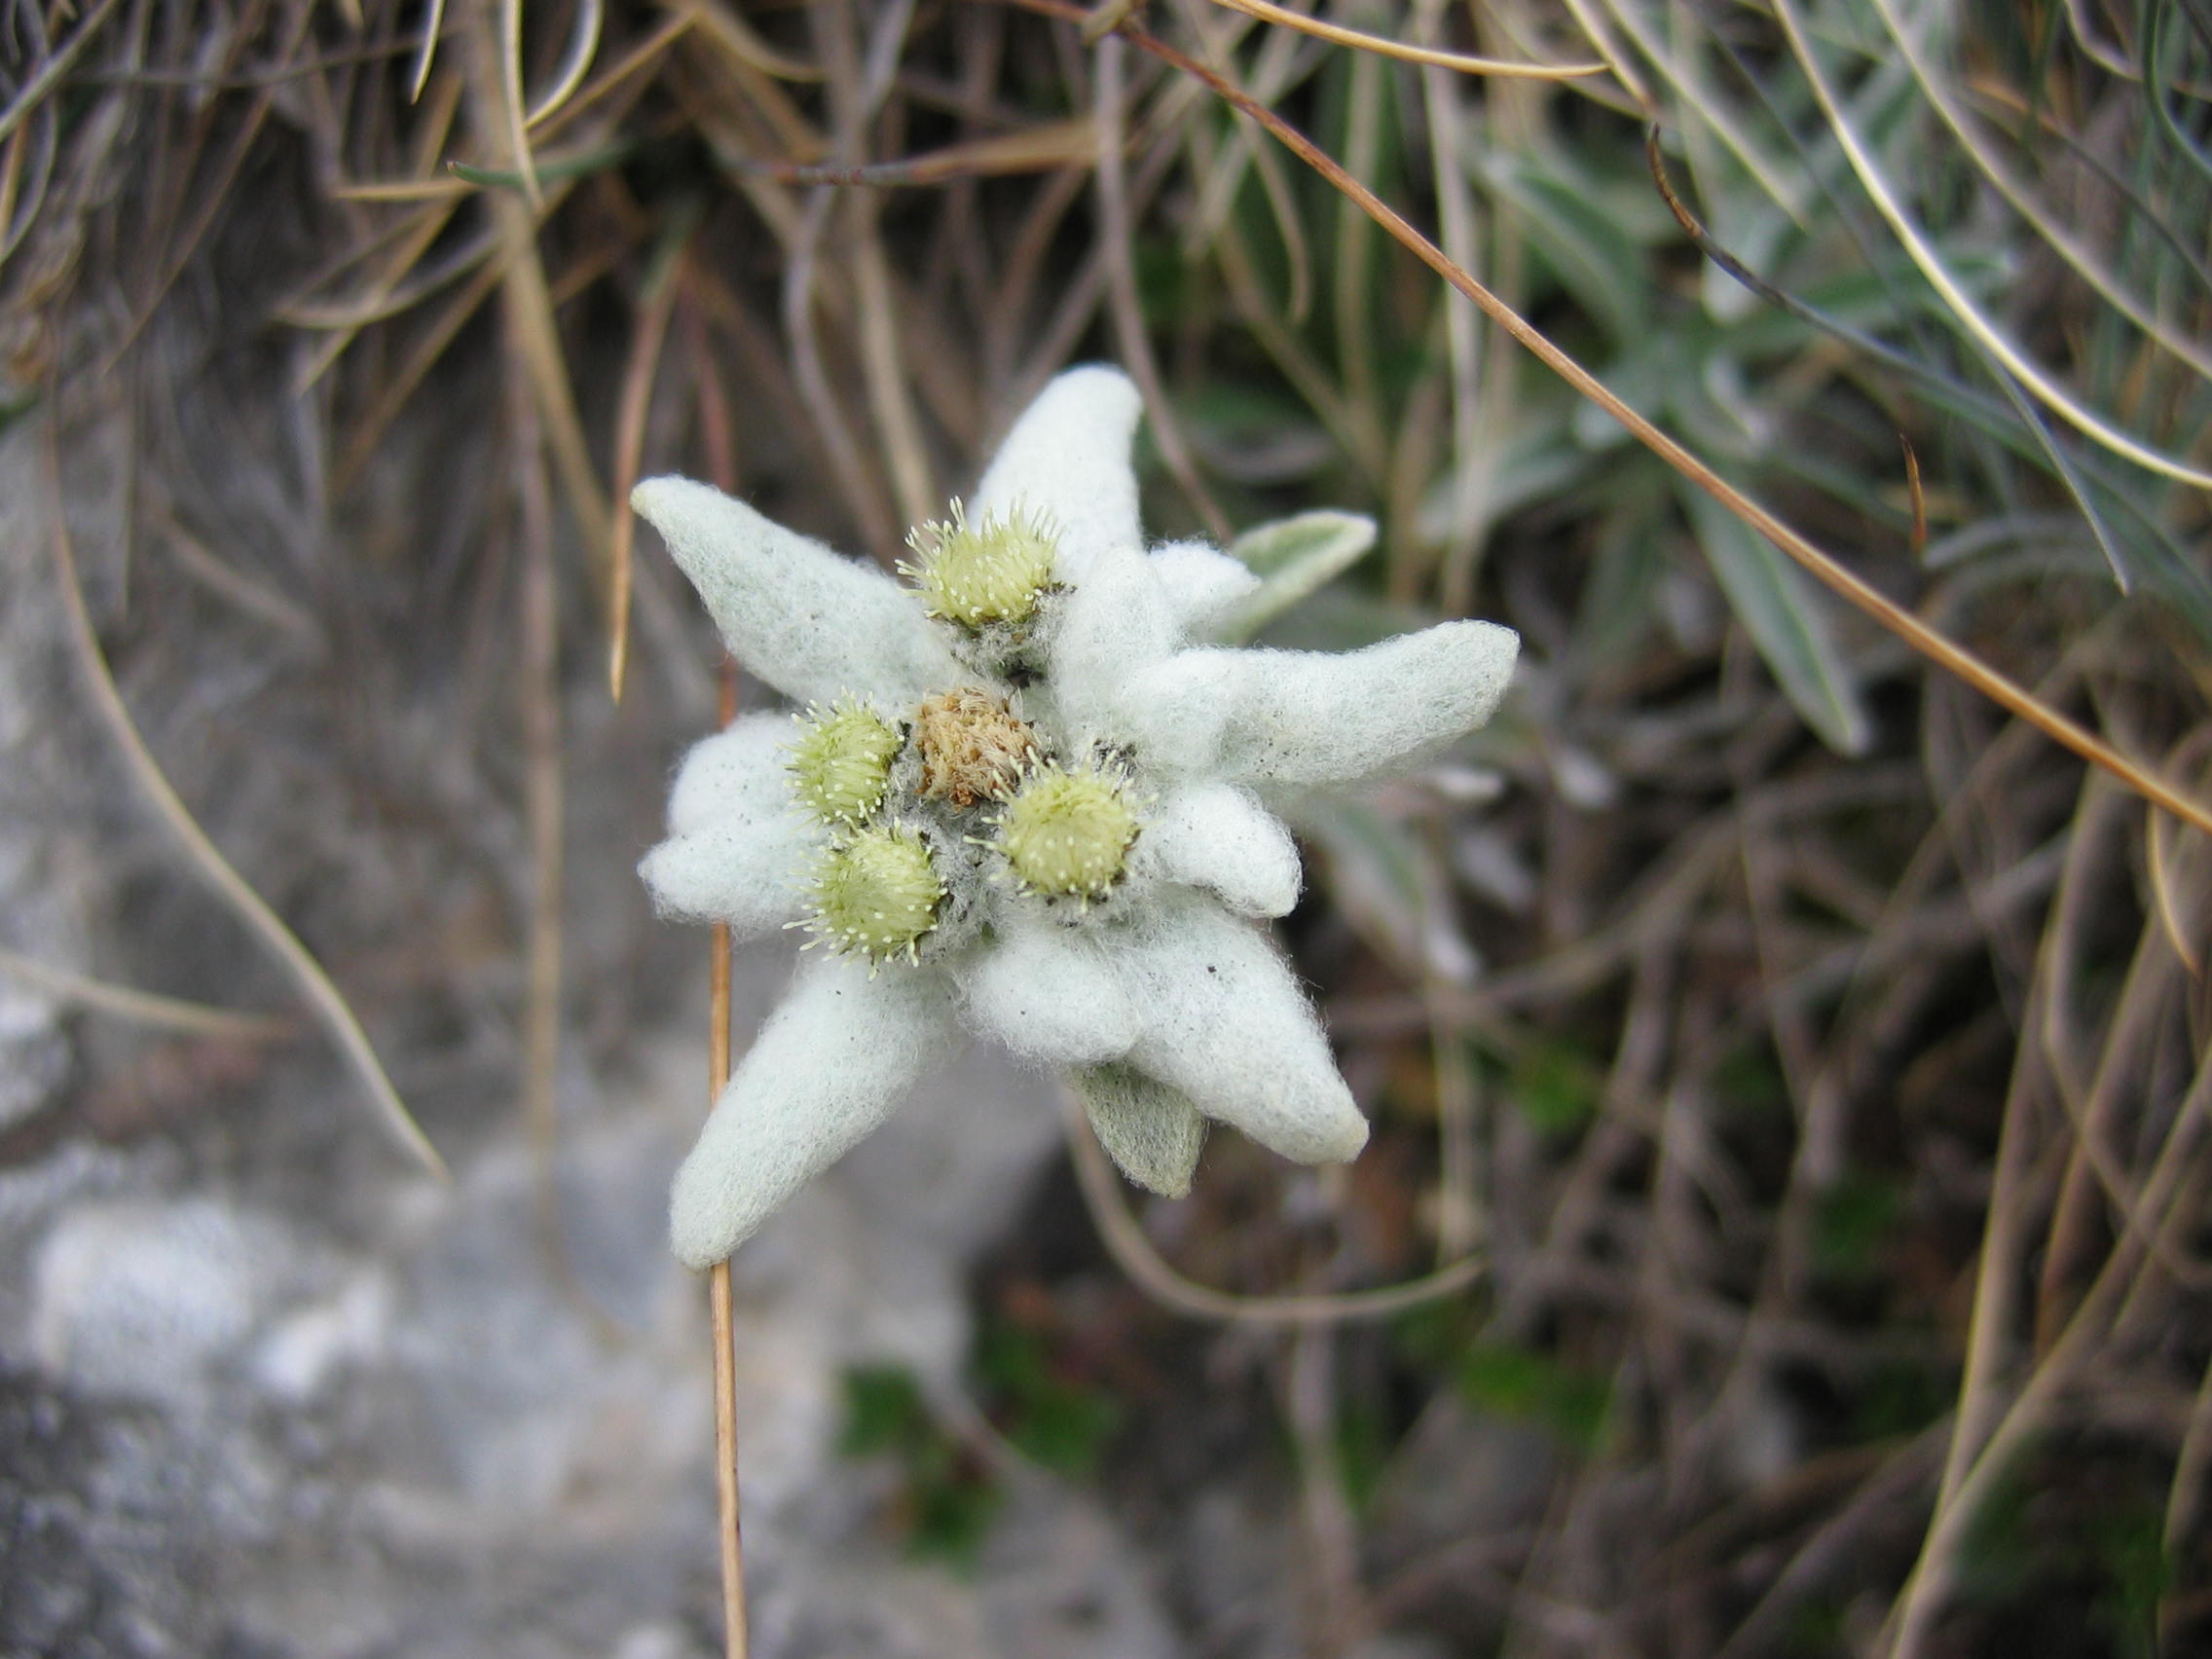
1140, 966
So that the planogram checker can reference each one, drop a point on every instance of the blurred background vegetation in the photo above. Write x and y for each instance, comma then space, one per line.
1811, 1054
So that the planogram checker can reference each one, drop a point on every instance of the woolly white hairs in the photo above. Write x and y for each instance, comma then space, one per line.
1075, 868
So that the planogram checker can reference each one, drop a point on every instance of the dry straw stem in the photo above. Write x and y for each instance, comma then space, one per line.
657, 305
529, 303
147, 1007
337, 1018
2109, 285
1976, 322
1047, 147
722, 1318
1149, 1270
1381, 45
576, 61
1927, 641
51, 75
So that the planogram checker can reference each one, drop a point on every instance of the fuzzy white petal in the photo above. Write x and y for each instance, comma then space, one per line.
737, 849
1152, 1133
827, 1069
1117, 622
743, 768
1226, 1024
1218, 837
747, 872
1045, 993
1320, 716
1068, 458
809, 623
1205, 585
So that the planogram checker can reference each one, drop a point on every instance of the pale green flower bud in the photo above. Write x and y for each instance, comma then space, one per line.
1067, 834
875, 895
841, 763
975, 574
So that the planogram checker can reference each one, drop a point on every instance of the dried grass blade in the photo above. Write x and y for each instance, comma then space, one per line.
2174, 907
637, 396
402, 190
1783, 187
51, 73
147, 1007
576, 62
1149, 1270
432, 26
1385, 47
1117, 243
409, 376
1977, 323
1042, 148
2109, 285
511, 101
722, 26
882, 364
337, 1016
532, 327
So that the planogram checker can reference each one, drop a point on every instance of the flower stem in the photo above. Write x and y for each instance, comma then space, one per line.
734, 1638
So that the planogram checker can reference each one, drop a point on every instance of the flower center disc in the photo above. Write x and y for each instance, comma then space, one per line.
972, 746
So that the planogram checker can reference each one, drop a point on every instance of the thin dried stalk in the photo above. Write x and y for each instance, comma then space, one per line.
1133, 1253
330, 1006
1385, 47
146, 1008
736, 1636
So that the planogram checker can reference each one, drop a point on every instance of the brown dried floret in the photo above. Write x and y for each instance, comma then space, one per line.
973, 747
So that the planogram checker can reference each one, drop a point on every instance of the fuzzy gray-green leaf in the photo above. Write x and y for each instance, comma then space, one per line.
1293, 557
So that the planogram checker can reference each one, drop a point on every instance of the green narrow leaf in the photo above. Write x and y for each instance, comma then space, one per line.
1293, 557
1780, 609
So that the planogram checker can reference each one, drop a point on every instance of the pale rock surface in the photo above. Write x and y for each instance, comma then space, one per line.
265, 1391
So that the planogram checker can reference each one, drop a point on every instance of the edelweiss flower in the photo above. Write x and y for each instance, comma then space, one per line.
1029, 798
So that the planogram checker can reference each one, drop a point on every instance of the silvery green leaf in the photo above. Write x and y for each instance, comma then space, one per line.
1292, 557
1151, 1132
1781, 609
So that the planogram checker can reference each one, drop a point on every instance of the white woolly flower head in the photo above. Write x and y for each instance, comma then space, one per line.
1033, 793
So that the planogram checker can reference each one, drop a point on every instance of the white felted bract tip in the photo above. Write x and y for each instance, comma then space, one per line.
1068, 459
1317, 718
1224, 1023
1217, 836
1046, 993
810, 623
825, 1070
739, 769
735, 842
1152, 1133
